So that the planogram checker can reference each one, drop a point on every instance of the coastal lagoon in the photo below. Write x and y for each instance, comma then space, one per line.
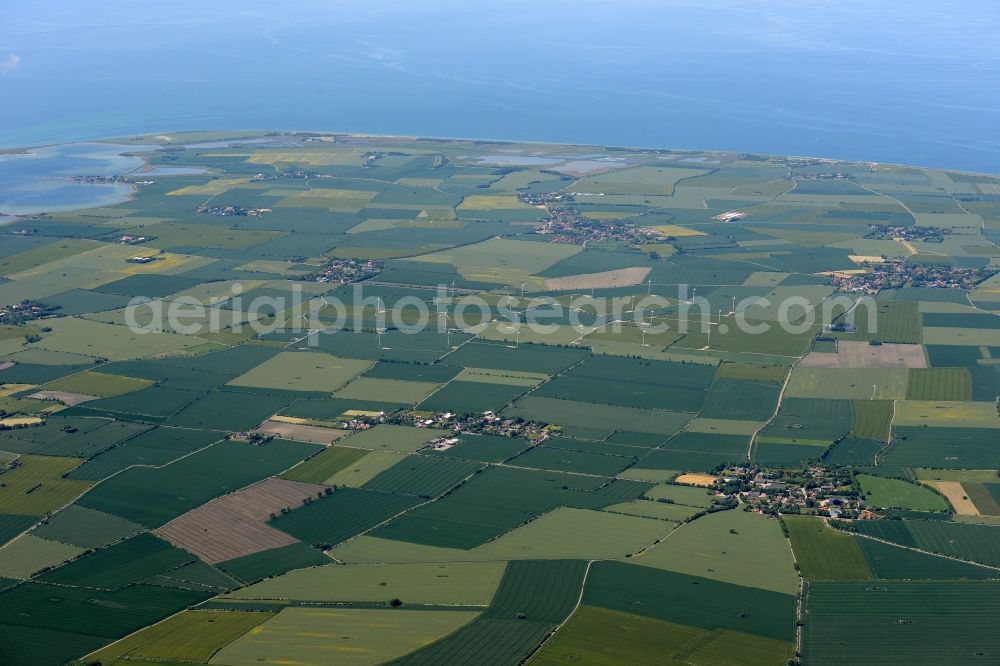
40, 180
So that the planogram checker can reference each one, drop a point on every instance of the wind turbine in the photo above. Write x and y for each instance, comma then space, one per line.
380, 331
649, 286
523, 284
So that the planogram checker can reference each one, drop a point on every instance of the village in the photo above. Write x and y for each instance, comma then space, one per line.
896, 275
900, 233
825, 491
25, 311
569, 226
239, 211
346, 271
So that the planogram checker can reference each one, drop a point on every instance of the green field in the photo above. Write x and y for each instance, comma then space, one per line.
609, 380
302, 372
939, 384
872, 419
387, 390
952, 447
897, 494
893, 562
37, 486
601, 636
601, 418
849, 383
685, 495
565, 460
975, 543
274, 562
325, 464
900, 623
730, 546
534, 596
946, 413
389, 438
459, 583
130, 561
29, 554
566, 532
823, 553
97, 383
203, 632
423, 476
349, 636
500, 499
690, 600
345, 513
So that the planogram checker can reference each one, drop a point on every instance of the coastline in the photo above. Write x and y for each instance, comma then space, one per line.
258, 133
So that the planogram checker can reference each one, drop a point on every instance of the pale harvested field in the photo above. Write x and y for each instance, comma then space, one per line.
622, 277
64, 397
863, 355
18, 421
866, 259
955, 493
301, 432
235, 525
678, 231
7, 390
703, 480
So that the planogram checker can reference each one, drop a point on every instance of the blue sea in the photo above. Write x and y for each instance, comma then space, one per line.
914, 81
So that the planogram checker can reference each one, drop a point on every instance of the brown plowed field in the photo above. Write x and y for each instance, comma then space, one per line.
302, 432
852, 354
235, 525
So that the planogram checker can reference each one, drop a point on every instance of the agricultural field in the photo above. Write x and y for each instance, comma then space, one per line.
900, 622
38, 485
974, 543
235, 525
395, 400
348, 636
204, 632
731, 546
690, 600
458, 583
884, 493
823, 553
302, 372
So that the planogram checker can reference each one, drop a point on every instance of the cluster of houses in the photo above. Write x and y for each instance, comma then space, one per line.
238, 211
817, 490
895, 275
128, 239
569, 226
916, 232
346, 271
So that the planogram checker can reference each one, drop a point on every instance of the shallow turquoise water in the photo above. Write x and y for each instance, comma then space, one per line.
40, 180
